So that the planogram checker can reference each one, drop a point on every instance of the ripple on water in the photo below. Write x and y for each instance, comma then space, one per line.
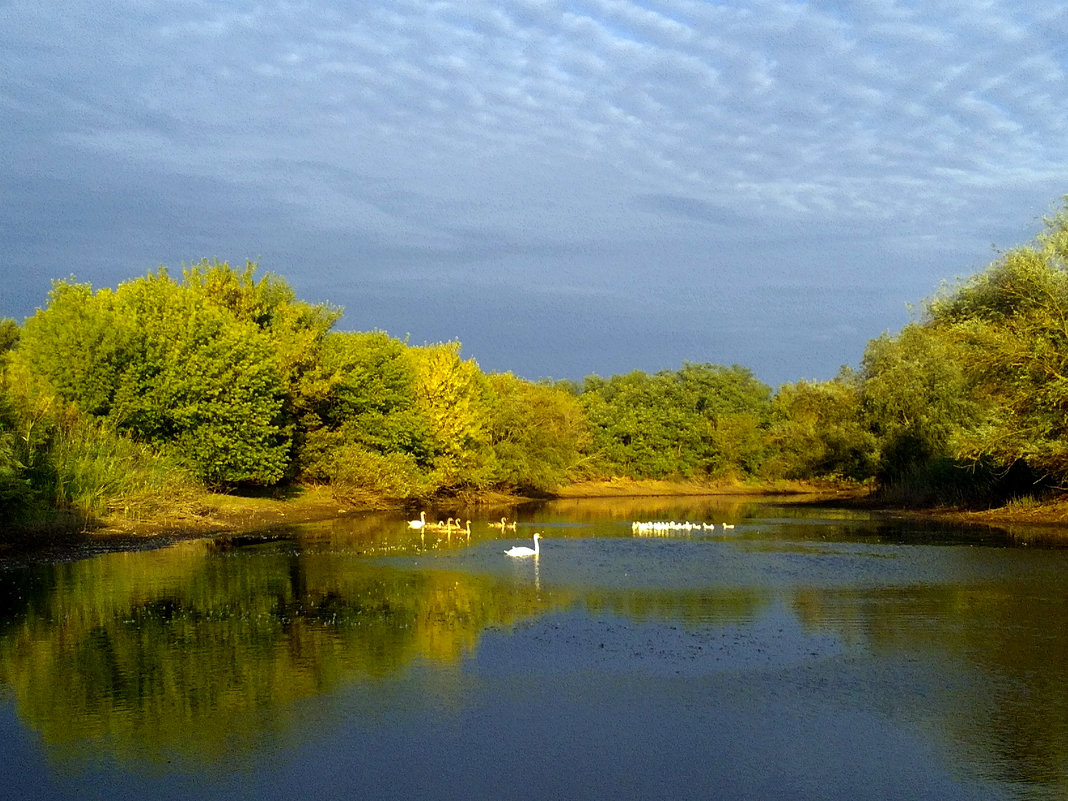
576, 642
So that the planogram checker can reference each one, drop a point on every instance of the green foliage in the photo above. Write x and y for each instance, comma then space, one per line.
972, 403
818, 431
27, 425
15, 489
361, 424
9, 335
917, 399
538, 432
228, 373
1011, 327
190, 368
81, 343
701, 421
368, 388
56, 459
101, 473
453, 396
295, 330
368, 477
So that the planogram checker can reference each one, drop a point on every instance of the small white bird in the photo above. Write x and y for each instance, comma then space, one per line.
418, 523
523, 550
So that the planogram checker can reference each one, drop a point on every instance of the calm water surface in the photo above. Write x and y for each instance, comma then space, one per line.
804, 654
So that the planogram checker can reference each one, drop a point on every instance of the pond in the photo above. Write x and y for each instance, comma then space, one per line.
804, 653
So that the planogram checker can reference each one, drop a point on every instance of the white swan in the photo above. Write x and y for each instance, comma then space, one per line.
523, 550
418, 523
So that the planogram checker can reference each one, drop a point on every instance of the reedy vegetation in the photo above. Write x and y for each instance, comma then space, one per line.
127, 400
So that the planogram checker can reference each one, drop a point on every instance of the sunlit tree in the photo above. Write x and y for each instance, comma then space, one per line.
538, 432
818, 431
453, 395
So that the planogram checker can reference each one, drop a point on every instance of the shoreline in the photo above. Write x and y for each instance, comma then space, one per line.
215, 515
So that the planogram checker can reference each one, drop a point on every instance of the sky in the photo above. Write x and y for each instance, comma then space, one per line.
567, 187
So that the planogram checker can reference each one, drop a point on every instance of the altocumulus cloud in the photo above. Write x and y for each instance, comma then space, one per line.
565, 187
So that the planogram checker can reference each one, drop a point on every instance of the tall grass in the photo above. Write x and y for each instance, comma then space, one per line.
99, 473
363, 476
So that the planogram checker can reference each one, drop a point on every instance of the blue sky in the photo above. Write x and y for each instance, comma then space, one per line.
567, 188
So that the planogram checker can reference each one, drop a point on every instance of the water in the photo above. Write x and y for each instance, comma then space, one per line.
804, 654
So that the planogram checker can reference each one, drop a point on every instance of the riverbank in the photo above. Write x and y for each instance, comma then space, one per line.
211, 514
215, 513
634, 488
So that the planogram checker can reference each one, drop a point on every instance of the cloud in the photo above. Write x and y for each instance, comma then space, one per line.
583, 144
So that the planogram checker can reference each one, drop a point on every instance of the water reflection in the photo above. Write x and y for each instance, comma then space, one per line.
207, 651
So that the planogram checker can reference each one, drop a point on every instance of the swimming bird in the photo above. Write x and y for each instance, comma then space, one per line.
418, 523
523, 550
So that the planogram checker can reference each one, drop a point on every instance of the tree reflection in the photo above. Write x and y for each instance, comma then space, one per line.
185, 651
201, 650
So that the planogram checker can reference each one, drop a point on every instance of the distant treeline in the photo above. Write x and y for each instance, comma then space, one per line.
126, 401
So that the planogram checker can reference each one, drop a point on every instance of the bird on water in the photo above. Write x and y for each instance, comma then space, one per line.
523, 550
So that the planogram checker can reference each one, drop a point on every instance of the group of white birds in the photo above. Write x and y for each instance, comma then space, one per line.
638, 527
662, 526
446, 526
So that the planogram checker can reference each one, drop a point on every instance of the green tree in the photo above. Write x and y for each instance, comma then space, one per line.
295, 329
9, 336
453, 396
916, 397
362, 429
818, 431
538, 432
80, 343
170, 367
702, 420
1010, 326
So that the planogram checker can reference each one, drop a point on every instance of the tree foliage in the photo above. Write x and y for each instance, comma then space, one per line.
700, 421
1010, 325
818, 431
453, 394
361, 427
184, 367
538, 433
916, 398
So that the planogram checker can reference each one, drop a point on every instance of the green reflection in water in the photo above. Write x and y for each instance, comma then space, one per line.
189, 651
201, 650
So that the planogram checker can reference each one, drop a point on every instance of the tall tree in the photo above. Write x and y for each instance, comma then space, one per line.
453, 394
1010, 325
702, 420
538, 432
171, 367
819, 431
